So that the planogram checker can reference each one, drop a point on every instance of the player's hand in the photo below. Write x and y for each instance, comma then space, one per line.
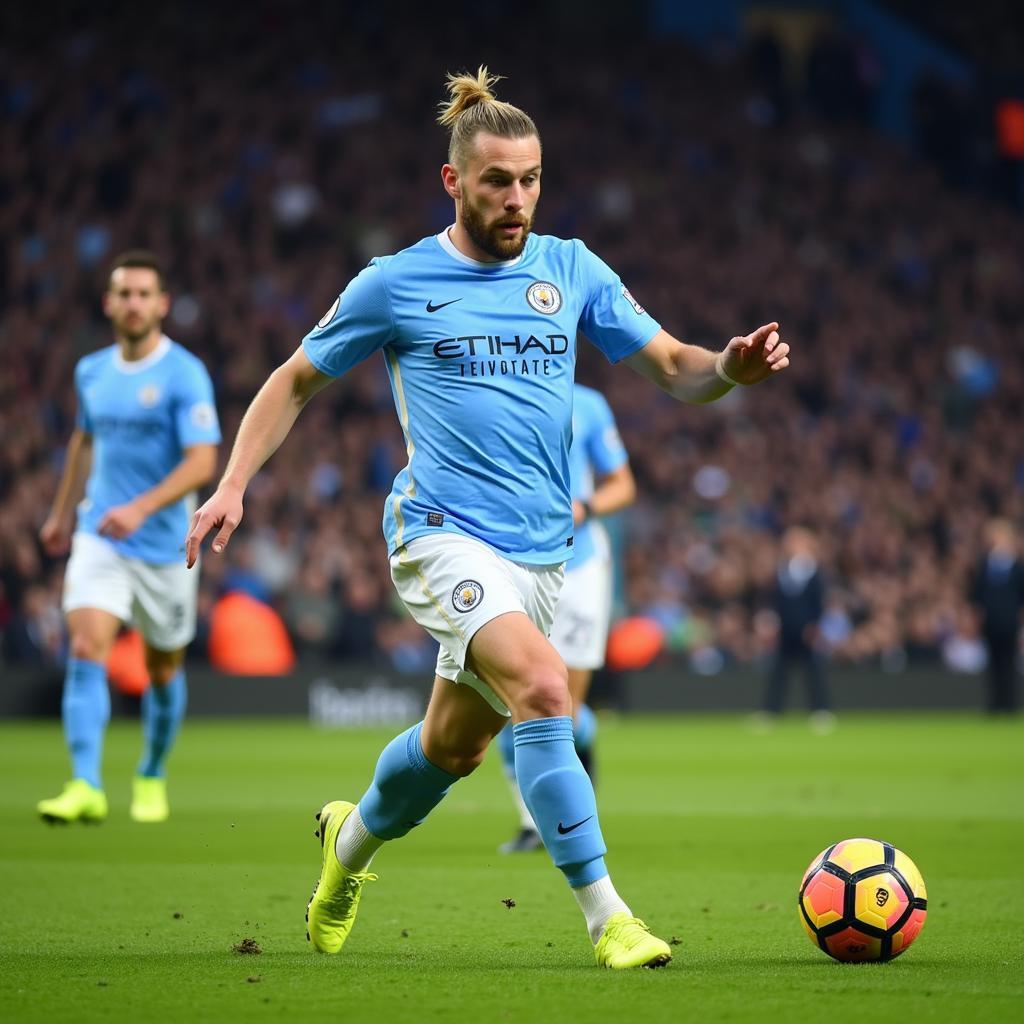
55, 536
121, 521
223, 512
749, 360
579, 513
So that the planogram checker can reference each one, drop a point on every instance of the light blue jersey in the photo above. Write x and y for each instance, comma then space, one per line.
597, 450
481, 358
142, 416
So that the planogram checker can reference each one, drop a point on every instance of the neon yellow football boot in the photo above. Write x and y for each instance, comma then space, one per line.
79, 801
331, 910
627, 942
149, 800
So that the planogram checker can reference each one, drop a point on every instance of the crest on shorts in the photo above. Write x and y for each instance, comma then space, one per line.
544, 297
467, 595
149, 395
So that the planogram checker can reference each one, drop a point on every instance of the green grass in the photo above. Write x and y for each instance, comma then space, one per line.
709, 827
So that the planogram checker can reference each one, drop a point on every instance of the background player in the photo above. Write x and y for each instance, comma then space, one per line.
601, 483
145, 438
478, 327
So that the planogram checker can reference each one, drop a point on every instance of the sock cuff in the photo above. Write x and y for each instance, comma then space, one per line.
418, 759
543, 730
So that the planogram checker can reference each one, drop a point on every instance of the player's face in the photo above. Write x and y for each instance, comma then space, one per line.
498, 192
135, 302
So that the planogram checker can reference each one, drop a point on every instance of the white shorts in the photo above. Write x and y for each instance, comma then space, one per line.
453, 585
159, 599
580, 629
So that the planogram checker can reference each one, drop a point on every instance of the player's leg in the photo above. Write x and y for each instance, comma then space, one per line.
164, 609
413, 774
163, 708
417, 768
97, 597
516, 660
527, 839
584, 719
85, 711
579, 633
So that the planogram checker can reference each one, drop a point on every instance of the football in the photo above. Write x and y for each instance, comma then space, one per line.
862, 900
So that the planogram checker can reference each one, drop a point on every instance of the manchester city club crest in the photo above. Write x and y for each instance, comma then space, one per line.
544, 297
149, 395
467, 595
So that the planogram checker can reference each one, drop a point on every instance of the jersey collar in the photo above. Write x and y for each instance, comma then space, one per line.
163, 346
444, 240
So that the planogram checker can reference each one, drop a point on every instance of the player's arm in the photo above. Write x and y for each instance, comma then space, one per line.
693, 374
612, 492
55, 533
265, 425
196, 468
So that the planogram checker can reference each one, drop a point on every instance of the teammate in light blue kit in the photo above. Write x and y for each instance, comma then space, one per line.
478, 329
145, 438
601, 483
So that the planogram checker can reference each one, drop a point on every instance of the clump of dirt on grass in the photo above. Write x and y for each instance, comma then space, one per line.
247, 947
509, 903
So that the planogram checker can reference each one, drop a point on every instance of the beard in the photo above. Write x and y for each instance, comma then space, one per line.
137, 330
487, 237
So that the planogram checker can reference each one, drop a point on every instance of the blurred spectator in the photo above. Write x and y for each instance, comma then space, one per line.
997, 592
799, 600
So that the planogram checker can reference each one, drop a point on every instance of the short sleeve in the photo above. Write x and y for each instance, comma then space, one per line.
195, 414
82, 421
612, 319
357, 325
605, 450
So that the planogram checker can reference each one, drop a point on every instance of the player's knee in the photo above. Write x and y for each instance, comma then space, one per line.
161, 669
162, 674
543, 693
87, 647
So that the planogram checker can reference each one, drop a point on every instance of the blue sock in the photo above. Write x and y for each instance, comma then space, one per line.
85, 709
163, 708
406, 787
560, 798
584, 727
507, 749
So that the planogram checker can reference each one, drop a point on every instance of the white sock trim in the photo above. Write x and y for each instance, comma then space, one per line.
599, 901
355, 844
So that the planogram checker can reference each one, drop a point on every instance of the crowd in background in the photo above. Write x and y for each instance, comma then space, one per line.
266, 159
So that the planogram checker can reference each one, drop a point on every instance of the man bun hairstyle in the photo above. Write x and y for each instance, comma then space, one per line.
141, 259
471, 108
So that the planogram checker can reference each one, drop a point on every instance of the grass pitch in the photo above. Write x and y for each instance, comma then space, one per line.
709, 826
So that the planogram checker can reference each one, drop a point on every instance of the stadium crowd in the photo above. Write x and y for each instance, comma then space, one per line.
268, 179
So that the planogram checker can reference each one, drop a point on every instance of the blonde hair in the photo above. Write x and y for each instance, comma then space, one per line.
472, 108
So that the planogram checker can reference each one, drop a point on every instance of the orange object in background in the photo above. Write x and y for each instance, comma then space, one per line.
1010, 128
634, 643
126, 666
248, 638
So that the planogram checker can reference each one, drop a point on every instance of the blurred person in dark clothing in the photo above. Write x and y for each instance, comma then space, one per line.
997, 591
799, 602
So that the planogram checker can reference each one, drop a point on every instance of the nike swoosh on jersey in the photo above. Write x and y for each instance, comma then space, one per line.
431, 308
